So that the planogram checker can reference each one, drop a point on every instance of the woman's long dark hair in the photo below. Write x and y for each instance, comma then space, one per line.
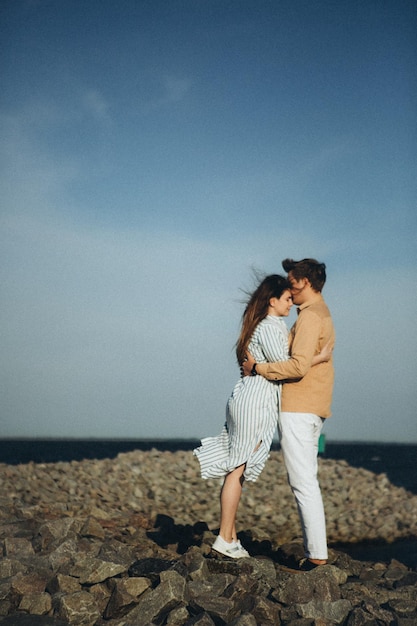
256, 310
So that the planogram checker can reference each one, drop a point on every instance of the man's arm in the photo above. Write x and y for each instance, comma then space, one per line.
303, 349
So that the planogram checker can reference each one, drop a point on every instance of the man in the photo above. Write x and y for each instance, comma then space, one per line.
306, 399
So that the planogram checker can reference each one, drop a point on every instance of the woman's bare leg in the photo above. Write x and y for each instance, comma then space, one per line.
229, 502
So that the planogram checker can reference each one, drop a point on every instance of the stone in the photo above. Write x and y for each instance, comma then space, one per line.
370, 613
90, 570
62, 557
54, 532
203, 619
61, 583
158, 603
28, 583
11, 567
23, 619
101, 593
266, 612
118, 542
79, 609
18, 548
125, 595
335, 612
404, 607
92, 528
246, 620
262, 569
178, 616
117, 552
196, 564
218, 608
36, 603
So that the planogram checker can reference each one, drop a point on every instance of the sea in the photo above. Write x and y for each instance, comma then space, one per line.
397, 460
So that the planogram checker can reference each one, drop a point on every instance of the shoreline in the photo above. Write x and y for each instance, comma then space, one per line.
396, 460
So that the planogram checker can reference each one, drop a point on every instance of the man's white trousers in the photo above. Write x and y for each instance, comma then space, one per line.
299, 438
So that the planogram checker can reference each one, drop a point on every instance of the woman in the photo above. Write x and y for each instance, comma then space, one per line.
240, 452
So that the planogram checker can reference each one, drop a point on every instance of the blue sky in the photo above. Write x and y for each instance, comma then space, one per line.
153, 155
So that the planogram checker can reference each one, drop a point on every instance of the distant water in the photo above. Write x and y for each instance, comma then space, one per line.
397, 461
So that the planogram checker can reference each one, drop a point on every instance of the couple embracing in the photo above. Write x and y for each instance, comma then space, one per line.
287, 379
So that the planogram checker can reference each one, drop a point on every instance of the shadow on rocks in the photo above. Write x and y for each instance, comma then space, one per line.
166, 533
403, 550
180, 537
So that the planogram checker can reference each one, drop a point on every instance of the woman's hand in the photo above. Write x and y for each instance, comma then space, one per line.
326, 352
248, 363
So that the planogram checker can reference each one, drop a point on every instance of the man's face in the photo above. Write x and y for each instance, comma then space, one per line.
298, 289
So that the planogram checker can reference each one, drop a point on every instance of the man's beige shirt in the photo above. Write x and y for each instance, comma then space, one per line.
307, 388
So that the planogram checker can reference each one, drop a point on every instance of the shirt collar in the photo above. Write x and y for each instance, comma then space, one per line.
316, 298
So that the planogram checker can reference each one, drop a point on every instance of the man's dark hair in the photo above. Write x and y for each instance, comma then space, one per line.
311, 269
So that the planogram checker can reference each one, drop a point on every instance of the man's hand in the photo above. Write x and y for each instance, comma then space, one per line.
247, 365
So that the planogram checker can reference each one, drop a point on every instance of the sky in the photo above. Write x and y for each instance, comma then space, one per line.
155, 158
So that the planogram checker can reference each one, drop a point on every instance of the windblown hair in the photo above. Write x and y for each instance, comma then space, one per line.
311, 269
256, 310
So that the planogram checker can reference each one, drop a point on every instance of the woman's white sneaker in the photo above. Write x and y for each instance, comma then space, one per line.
242, 548
234, 549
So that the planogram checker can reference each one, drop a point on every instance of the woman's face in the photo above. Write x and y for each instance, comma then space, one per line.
281, 306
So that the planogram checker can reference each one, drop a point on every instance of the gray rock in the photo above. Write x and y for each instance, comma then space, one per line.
60, 583
203, 619
36, 603
125, 595
28, 583
178, 616
370, 613
266, 612
335, 612
78, 609
158, 603
23, 619
245, 620
18, 548
117, 543
218, 608
90, 570
11, 567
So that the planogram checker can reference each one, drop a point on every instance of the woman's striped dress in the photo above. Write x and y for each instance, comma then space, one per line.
251, 413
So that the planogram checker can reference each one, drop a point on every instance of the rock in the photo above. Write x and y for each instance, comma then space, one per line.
23, 619
245, 620
18, 548
334, 612
62, 583
78, 609
155, 605
370, 613
36, 603
92, 528
178, 616
28, 583
90, 570
266, 612
119, 543
125, 596
218, 608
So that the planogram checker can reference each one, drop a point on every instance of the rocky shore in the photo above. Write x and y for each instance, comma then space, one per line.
126, 541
